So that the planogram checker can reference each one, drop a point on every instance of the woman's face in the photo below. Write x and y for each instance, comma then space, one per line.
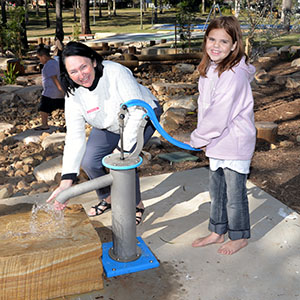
219, 44
81, 70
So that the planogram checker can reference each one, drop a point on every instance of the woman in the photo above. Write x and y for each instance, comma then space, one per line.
95, 90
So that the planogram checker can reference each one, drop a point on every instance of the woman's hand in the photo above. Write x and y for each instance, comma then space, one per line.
64, 184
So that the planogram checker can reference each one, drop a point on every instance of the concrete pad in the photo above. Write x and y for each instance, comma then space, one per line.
177, 212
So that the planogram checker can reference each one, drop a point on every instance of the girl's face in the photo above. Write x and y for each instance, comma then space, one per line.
81, 70
219, 44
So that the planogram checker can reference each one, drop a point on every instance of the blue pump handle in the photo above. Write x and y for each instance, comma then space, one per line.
151, 114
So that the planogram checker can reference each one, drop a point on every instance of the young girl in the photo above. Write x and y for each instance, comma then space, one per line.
226, 132
53, 94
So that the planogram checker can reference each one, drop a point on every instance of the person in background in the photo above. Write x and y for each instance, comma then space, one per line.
52, 94
95, 89
226, 132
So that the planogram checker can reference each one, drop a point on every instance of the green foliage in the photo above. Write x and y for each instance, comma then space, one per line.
185, 17
10, 76
75, 32
264, 24
11, 33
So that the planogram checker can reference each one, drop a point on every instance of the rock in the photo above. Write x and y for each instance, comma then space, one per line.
296, 63
153, 142
22, 184
175, 114
6, 191
292, 83
284, 49
20, 173
187, 102
5, 126
29, 93
271, 52
169, 125
39, 185
281, 80
157, 167
286, 144
46, 171
183, 68
28, 160
9, 99
262, 77
32, 139
53, 139
173, 88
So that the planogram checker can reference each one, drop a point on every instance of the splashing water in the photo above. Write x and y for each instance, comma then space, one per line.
45, 220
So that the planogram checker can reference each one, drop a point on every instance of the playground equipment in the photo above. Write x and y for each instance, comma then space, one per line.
126, 253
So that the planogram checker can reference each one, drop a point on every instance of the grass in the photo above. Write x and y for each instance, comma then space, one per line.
126, 21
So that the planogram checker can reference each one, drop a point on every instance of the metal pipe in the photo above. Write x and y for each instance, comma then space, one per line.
84, 187
123, 216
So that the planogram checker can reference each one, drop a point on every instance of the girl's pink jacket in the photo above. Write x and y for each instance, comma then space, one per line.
225, 114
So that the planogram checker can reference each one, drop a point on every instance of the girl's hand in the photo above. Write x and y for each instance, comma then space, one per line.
64, 184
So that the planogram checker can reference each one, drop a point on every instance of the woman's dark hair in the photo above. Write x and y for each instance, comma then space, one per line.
232, 27
43, 50
78, 49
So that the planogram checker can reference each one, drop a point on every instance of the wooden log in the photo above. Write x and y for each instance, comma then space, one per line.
170, 57
47, 266
267, 131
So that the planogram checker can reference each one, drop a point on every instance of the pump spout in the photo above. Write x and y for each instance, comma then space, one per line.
84, 187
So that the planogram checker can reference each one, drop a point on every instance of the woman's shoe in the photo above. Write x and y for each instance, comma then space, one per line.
138, 219
99, 211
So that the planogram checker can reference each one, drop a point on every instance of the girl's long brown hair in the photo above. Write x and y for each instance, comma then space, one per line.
232, 26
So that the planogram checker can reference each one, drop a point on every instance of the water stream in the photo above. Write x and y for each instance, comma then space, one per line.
44, 220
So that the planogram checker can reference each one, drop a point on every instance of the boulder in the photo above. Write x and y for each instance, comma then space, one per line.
47, 170
53, 139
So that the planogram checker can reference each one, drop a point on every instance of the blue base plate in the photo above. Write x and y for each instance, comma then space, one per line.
114, 268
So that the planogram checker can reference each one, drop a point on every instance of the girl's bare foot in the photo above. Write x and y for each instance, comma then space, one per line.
212, 238
232, 247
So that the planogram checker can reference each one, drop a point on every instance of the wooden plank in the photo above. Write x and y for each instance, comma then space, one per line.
50, 265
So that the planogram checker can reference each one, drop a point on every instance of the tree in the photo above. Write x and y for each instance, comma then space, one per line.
59, 31
47, 15
85, 17
286, 14
23, 32
3, 12
114, 8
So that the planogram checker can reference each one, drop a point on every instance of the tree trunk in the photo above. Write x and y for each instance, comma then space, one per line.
74, 11
47, 15
3, 12
100, 10
114, 8
85, 17
109, 7
59, 31
286, 14
37, 8
26, 11
237, 6
155, 11
203, 6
